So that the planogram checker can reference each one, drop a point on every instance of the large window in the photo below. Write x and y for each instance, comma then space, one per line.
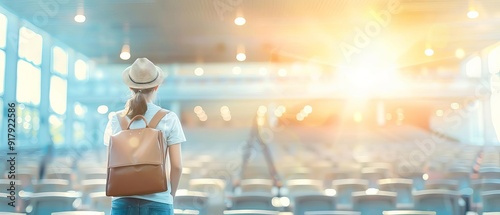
59, 61
30, 46
28, 83
58, 93
3, 41
1, 113
57, 97
78, 132
28, 124
2, 71
79, 124
3, 36
3, 30
56, 129
81, 69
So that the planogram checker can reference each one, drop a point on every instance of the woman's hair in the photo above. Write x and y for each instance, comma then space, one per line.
137, 104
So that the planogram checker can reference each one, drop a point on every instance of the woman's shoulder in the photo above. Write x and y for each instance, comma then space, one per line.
113, 115
170, 115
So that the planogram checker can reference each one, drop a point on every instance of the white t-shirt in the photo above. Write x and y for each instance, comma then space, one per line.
172, 132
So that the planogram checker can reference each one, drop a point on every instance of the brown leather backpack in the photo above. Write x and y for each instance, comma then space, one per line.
136, 159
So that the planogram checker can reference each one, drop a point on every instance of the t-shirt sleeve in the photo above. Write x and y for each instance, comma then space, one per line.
175, 135
112, 127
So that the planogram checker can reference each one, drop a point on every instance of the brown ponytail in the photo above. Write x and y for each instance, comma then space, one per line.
137, 104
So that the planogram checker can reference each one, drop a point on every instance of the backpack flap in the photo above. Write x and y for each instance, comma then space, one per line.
136, 146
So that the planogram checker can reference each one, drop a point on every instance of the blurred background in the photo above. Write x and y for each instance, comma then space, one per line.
371, 96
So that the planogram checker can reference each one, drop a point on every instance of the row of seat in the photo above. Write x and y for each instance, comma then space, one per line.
443, 202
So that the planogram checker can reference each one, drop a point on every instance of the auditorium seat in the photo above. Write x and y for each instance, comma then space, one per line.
297, 173
51, 185
480, 186
5, 184
373, 203
373, 175
416, 176
332, 213
215, 188
462, 174
78, 213
444, 202
264, 186
345, 187
345, 173
444, 184
49, 202
185, 212
402, 187
250, 212
91, 185
60, 173
319, 168
297, 187
185, 178
191, 200
93, 173
491, 201
489, 172
253, 202
4, 201
409, 212
303, 203
11, 213
26, 178
385, 168
100, 202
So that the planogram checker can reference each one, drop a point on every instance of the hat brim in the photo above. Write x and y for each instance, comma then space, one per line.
131, 84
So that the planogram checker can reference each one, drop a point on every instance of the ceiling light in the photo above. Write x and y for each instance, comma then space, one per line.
203, 118
125, 55
262, 110
308, 109
455, 106
425, 176
240, 21
102, 109
227, 118
224, 109
472, 14
198, 71
429, 52
241, 57
300, 117
80, 18
198, 110
80, 15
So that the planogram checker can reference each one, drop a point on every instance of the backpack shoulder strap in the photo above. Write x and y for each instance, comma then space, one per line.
157, 117
123, 119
